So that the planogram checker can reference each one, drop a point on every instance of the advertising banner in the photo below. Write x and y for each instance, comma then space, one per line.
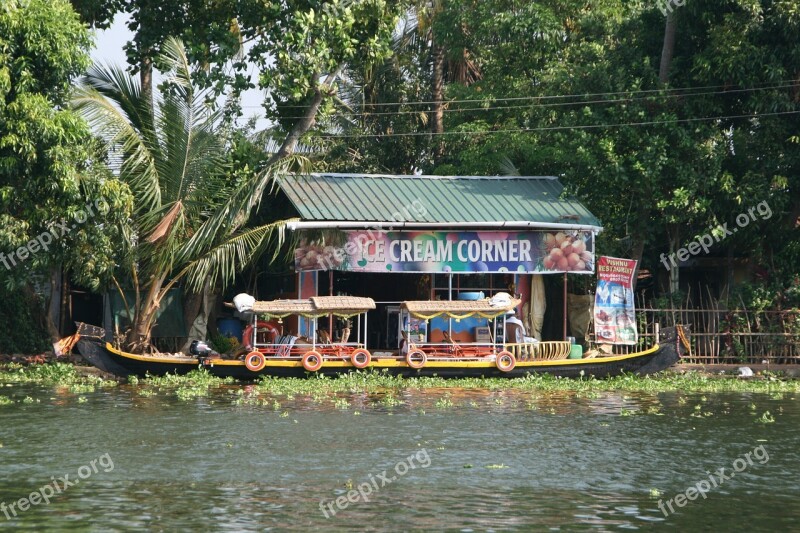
455, 251
614, 310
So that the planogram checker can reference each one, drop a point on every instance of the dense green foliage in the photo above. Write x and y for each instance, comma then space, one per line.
662, 139
574, 89
60, 208
21, 330
49, 173
291, 43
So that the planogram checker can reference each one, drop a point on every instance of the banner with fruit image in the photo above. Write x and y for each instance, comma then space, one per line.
452, 251
614, 310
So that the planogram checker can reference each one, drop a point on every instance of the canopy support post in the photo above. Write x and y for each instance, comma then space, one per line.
450, 297
330, 293
450, 286
565, 306
495, 340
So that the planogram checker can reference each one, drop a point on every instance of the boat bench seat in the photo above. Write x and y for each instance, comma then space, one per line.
540, 351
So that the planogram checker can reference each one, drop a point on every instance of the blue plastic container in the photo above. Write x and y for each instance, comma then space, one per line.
230, 327
470, 296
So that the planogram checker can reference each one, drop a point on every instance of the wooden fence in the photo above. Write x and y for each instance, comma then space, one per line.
726, 336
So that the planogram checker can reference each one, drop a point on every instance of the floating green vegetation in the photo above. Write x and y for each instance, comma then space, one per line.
444, 403
391, 400
199, 377
58, 374
5, 400
387, 390
81, 388
195, 384
366, 381
766, 418
341, 403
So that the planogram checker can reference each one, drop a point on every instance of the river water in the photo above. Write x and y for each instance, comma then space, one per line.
457, 460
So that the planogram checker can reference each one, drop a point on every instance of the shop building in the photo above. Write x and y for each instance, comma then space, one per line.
396, 238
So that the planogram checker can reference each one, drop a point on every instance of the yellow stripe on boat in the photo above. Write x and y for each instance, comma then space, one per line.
151, 358
383, 363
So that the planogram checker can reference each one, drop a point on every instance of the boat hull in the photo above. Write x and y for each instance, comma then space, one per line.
102, 355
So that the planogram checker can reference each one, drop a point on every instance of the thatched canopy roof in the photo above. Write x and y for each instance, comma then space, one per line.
344, 306
456, 308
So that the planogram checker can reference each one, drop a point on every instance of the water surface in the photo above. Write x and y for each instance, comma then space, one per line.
483, 460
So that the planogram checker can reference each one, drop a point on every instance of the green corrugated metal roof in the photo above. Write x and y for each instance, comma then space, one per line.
446, 199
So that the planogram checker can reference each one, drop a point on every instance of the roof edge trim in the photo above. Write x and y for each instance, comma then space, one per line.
393, 226
420, 176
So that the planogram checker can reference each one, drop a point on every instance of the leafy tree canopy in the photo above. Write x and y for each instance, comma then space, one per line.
48, 170
292, 43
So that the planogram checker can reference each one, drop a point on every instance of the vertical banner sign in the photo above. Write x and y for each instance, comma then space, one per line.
614, 311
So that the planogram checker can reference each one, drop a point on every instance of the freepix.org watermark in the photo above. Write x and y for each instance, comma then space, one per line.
721, 232
331, 257
364, 490
56, 231
56, 486
668, 6
701, 488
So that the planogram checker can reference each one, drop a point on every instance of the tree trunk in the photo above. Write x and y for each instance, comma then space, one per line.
53, 305
138, 337
674, 271
64, 312
437, 96
146, 79
668, 48
307, 121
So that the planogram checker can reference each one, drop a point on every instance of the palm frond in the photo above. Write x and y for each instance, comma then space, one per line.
106, 98
177, 67
221, 262
189, 126
234, 212
507, 167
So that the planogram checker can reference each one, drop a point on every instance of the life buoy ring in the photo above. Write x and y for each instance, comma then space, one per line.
312, 360
505, 361
416, 359
249, 335
360, 358
255, 361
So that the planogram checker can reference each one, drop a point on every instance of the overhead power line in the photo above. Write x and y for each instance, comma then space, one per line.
545, 104
678, 91
553, 128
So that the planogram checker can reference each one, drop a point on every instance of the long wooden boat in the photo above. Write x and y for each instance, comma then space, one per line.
449, 360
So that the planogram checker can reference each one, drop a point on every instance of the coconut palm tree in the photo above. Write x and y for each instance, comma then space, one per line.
188, 224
